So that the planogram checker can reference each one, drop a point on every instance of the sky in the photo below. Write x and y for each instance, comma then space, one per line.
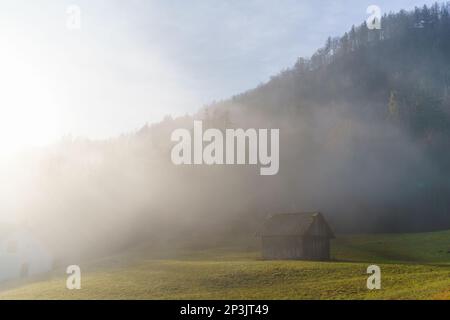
132, 62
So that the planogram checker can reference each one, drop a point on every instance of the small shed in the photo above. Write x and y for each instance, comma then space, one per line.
302, 236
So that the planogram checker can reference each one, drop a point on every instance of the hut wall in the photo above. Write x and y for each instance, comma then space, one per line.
318, 229
282, 247
317, 248
307, 248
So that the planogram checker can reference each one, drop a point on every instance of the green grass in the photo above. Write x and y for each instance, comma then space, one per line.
414, 266
425, 248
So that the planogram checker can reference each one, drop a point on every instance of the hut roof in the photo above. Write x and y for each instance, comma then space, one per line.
293, 224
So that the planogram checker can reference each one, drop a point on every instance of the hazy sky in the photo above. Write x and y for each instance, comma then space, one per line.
135, 61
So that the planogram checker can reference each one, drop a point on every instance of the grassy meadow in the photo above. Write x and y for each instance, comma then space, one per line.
413, 266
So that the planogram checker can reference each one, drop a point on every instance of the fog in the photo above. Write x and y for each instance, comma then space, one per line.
363, 139
92, 198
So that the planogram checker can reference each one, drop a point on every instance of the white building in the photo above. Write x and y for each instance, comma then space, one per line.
22, 255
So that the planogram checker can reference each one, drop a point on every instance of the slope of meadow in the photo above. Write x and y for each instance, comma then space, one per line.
414, 266
431, 247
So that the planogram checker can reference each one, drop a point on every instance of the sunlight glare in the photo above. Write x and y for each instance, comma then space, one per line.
28, 112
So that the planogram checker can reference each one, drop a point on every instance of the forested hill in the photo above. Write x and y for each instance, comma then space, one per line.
401, 72
356, 89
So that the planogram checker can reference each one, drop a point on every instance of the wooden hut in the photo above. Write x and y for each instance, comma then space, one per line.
302, 236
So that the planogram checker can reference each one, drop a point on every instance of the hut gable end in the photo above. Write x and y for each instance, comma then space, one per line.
320, 228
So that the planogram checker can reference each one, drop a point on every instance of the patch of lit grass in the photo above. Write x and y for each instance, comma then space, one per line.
413, 267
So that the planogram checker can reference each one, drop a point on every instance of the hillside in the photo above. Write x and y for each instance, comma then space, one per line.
236, 273
382, 97
364, 139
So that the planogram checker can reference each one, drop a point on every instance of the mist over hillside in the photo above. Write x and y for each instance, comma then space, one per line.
364, 138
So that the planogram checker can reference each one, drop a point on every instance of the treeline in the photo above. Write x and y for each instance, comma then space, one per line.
425, 26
